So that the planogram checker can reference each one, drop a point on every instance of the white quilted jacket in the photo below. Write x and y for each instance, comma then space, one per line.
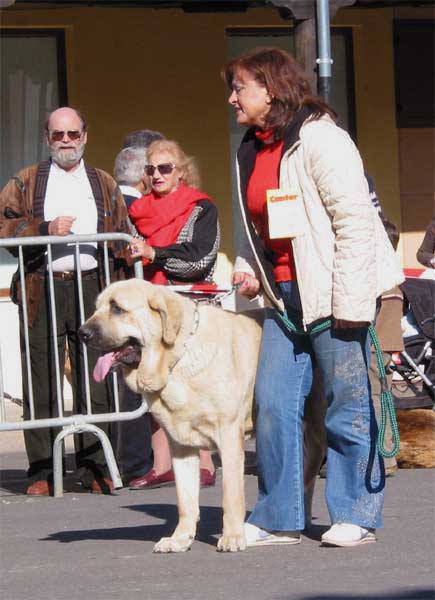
344, 261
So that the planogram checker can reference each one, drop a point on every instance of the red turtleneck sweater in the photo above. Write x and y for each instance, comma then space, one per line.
265, 176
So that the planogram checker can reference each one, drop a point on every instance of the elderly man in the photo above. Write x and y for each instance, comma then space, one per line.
130, 175
56, 197
141, 138
130, 164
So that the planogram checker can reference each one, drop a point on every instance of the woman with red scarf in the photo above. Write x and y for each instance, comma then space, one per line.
178, 240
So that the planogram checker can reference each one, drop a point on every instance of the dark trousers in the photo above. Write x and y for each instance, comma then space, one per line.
134, 453
89, 455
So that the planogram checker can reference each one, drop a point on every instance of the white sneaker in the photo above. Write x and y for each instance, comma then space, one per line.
346, 534
255, 536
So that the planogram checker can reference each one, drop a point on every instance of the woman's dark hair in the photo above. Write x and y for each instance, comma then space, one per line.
285, 82
391, 229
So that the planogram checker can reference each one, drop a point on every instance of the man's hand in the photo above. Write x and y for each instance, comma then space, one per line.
248, 285
61, 225
343, 324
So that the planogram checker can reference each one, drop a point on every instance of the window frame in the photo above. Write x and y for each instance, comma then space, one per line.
405, 120
59, 34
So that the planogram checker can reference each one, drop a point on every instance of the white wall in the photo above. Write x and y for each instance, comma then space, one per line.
10, 348
10, 352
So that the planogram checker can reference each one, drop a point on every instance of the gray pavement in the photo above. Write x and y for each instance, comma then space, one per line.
85, 546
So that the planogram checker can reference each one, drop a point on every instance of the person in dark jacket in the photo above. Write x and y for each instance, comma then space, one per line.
426, 252
129, 173
130, 164
141, 138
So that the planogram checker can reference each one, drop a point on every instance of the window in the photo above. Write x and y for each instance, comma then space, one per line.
414, 62
32, 84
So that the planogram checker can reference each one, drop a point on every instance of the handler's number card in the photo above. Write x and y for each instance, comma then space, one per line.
285, 213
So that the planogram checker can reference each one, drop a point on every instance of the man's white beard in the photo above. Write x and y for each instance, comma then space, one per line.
67, 157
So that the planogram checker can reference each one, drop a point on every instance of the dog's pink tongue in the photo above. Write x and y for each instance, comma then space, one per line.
102, 366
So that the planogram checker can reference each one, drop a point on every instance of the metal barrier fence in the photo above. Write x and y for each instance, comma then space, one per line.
76, 423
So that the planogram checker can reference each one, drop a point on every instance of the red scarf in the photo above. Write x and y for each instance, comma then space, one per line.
160, 219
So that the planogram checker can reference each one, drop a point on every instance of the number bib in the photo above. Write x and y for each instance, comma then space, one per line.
285, 213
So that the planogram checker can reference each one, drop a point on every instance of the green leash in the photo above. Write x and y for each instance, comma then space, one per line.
387, 404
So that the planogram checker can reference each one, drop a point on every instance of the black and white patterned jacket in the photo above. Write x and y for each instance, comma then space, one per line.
193, 256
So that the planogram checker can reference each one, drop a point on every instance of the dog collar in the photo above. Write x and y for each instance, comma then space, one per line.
189, 338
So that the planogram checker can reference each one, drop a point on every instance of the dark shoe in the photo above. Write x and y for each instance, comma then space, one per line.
102, 486
152, 480
206, 478
39, 488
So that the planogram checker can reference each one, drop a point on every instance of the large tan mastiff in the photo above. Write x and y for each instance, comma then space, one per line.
196, 366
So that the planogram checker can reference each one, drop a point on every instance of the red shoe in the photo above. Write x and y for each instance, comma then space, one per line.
207, 478
38, 488
152, 480
102, 486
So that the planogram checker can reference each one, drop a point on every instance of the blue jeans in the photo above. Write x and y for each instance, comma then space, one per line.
355, 475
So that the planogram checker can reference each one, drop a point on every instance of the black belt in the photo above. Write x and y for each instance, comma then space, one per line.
71, 275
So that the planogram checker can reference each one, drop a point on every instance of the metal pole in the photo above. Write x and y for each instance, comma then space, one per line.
324, 45
53, 312
26, 330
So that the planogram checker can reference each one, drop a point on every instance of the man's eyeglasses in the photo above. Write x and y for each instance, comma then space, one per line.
163, 169
57, 136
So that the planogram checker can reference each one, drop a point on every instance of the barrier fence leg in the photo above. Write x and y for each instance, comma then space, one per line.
57, 461
57, 455
108, 453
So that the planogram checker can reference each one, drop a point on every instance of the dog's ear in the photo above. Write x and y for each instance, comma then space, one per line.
171, 314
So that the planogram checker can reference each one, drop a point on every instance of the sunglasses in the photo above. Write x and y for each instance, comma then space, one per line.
57, 136
163, 169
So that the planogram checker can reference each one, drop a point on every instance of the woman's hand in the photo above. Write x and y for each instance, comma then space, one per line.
248, 285
343, 324
141, 248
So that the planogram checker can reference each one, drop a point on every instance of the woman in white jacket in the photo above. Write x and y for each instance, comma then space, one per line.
314, 245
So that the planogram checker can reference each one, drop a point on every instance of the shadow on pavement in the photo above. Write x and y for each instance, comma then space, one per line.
418, 594
209, 527
13, 481
315, 532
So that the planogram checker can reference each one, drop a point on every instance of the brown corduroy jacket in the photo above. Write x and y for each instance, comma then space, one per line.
22, 214
388, 321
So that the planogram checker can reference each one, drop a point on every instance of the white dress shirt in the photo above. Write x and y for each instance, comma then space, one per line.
69, 194
130, 191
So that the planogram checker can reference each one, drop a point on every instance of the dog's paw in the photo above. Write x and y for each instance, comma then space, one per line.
173, 544
231, 543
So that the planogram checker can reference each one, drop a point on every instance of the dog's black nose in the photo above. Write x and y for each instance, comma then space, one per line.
85, 334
